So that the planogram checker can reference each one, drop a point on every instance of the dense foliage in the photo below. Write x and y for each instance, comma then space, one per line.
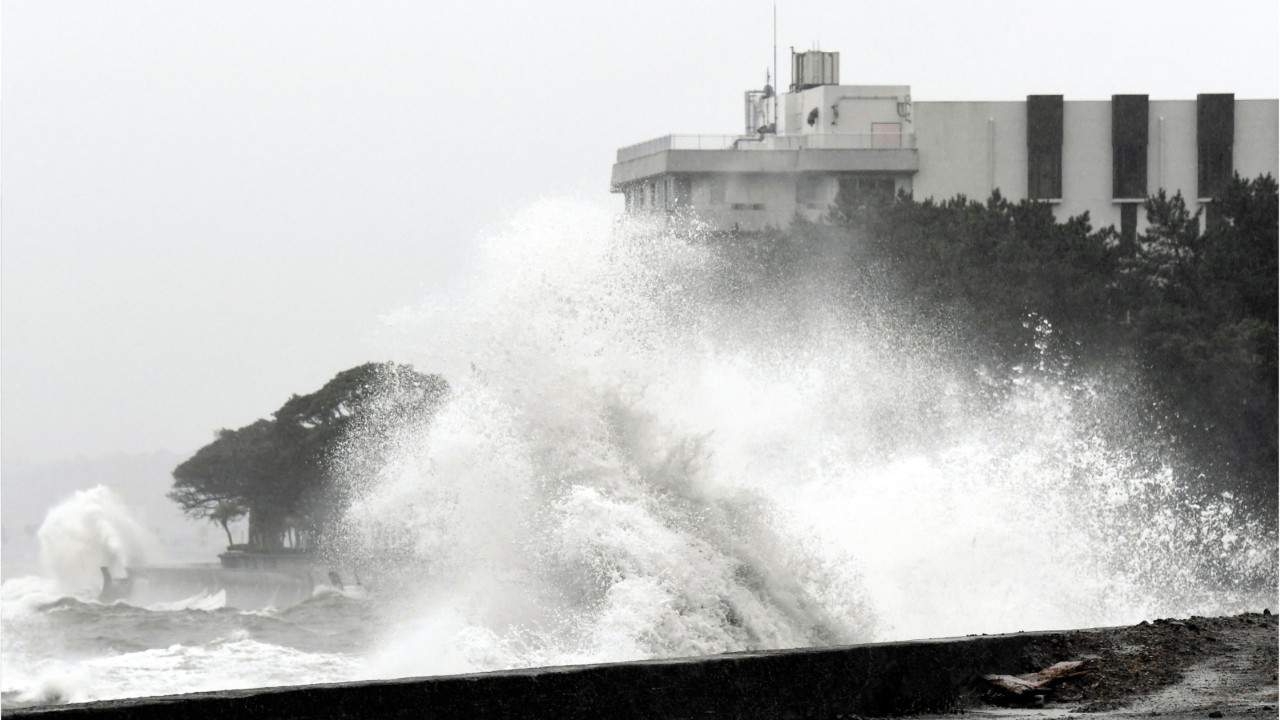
1191, 302
279, 470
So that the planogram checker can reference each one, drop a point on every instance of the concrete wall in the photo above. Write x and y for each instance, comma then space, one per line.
879, 679
1171, 152
894, 161
1172, 157
970, 149
1086, 163
859, 107
776, 191
1257, 148
789, 120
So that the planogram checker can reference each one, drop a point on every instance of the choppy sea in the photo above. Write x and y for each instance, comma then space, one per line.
70, 650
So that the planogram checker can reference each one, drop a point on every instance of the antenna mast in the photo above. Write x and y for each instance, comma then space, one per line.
776, 84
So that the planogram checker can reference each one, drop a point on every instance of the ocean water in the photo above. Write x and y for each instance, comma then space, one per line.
658, 446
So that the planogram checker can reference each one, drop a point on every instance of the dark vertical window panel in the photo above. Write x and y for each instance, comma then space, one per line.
1129, 222
1215, 138
1215, 167
1216, 118
1129, 119
1044, 121
1044, 173
1129, 171
1129, 136
1044, 147
1212, 217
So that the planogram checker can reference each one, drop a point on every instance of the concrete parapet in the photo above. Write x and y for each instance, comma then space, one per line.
873, 679
895, 160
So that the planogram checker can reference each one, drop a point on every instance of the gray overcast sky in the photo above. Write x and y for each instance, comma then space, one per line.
207, 205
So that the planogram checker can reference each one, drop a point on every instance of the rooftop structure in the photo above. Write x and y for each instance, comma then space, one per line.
1101, 157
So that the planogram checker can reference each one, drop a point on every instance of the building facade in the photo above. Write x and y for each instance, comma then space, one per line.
805, 146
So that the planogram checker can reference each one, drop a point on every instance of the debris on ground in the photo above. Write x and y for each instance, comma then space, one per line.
1185, 668
1030, 684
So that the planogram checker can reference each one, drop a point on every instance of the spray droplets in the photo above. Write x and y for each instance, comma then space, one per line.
665, 445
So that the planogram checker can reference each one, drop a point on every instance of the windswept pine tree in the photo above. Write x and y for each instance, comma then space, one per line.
279, 471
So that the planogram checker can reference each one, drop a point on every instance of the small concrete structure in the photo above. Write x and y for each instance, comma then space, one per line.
250, 580
1101, 157
245, 588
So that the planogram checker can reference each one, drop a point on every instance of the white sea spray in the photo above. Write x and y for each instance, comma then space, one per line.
659, 445
656, 446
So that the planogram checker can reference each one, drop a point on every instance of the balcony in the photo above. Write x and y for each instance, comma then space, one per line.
814, 141
892, 153
676, 142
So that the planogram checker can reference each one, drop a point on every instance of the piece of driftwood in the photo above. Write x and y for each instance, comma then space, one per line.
1038, 682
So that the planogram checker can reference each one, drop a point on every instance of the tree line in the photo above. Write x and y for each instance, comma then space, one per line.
1191, 301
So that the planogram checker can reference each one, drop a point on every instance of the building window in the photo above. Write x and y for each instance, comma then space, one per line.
858, 192
683, 190
1129, 222
748, 206
1044, 147
717, 190
808, 188
1129, 146
1215, 136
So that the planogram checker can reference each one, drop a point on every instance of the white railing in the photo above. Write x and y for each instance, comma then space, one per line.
676, 142
815, 141
857, 141
836, 141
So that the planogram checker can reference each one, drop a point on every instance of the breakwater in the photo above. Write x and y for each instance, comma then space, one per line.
869, 679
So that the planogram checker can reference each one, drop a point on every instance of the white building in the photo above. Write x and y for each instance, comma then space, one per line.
1103, 157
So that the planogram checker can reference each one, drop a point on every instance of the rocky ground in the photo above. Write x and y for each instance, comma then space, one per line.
1190, 668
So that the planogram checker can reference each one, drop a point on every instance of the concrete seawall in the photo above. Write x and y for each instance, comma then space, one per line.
874, 679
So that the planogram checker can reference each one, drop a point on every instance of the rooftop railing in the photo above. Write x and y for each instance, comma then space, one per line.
856, 141
676, 142
815, 141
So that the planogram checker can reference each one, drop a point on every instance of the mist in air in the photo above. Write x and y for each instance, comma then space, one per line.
660, 444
